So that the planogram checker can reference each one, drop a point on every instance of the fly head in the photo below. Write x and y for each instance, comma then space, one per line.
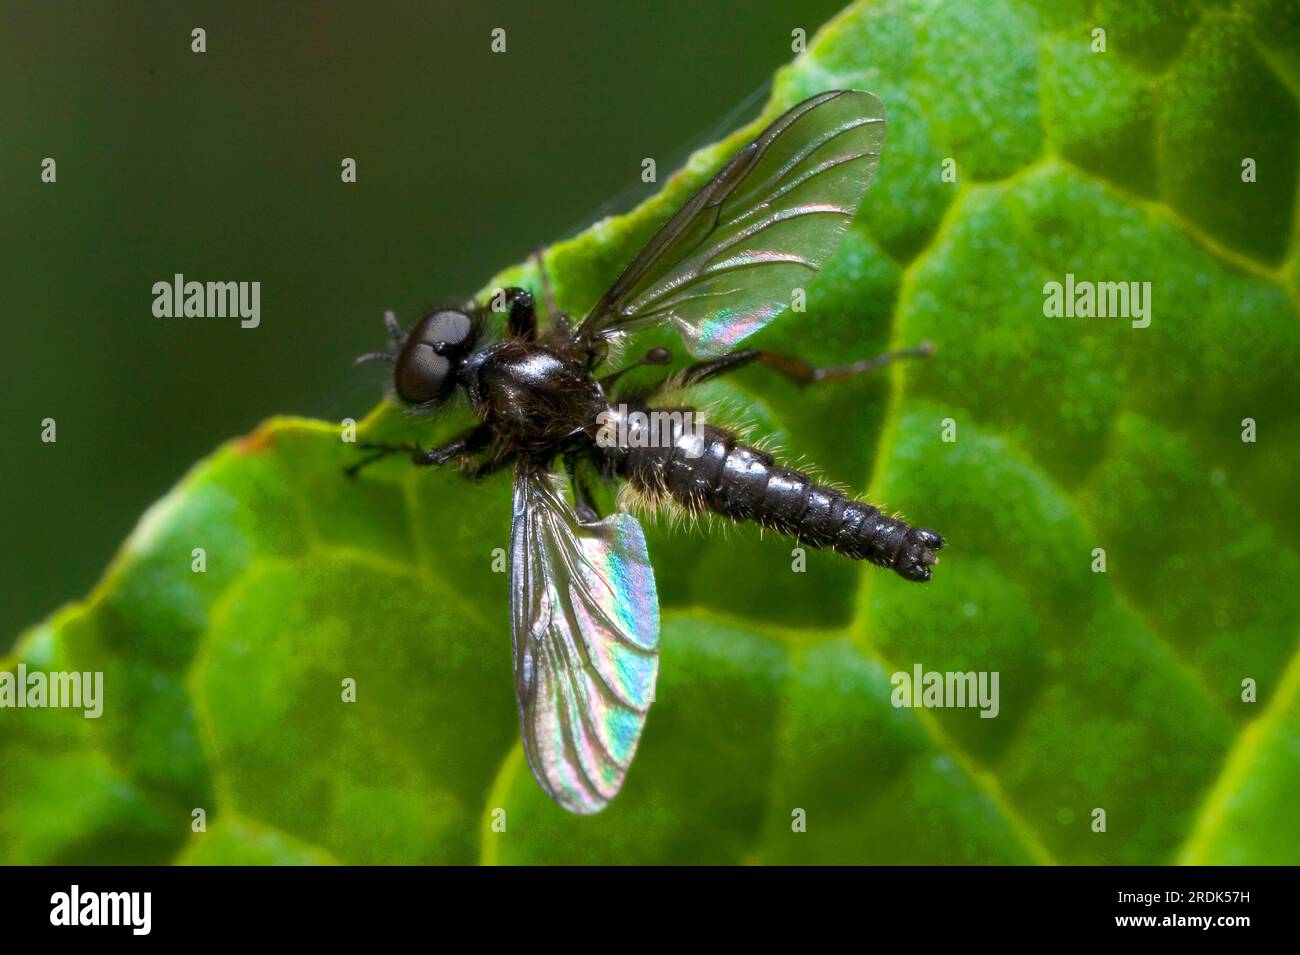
428, 361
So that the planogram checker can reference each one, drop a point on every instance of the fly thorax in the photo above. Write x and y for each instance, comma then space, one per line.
536, 394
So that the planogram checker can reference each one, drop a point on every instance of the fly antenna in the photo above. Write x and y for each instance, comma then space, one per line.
394, 330
373, 356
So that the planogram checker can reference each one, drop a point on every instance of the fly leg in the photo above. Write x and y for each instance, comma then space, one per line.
484, 467
582, 500
559, 328
471, 442
797, 370
655, 356
803, 373
521, 322
715, 367
547, 292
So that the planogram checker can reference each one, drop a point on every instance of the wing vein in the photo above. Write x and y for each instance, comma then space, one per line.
820, 156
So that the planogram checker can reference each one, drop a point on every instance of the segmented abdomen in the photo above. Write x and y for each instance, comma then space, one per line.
704, 467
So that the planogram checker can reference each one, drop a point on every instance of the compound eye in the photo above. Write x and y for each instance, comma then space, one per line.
445, 330
421, 373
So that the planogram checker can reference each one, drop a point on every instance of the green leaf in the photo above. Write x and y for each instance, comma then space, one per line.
1120, 691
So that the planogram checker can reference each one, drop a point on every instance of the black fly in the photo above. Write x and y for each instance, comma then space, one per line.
584, 610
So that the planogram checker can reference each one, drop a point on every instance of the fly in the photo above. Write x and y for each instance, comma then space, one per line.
584, 612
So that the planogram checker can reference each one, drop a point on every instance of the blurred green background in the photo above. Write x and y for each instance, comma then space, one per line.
1121, 691
225, 166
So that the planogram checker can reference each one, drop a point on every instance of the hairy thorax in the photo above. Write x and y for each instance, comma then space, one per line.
538, 395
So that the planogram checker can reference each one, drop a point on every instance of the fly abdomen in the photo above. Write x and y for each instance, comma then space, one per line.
703, 467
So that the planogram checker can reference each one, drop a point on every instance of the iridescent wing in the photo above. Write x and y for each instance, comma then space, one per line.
728, 262
584, 616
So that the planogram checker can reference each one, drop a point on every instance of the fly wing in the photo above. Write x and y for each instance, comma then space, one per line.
727, 263
585, 623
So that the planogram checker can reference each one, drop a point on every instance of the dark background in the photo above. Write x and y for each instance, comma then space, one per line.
226, 166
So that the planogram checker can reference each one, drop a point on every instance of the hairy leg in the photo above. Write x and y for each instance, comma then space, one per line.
468, 443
